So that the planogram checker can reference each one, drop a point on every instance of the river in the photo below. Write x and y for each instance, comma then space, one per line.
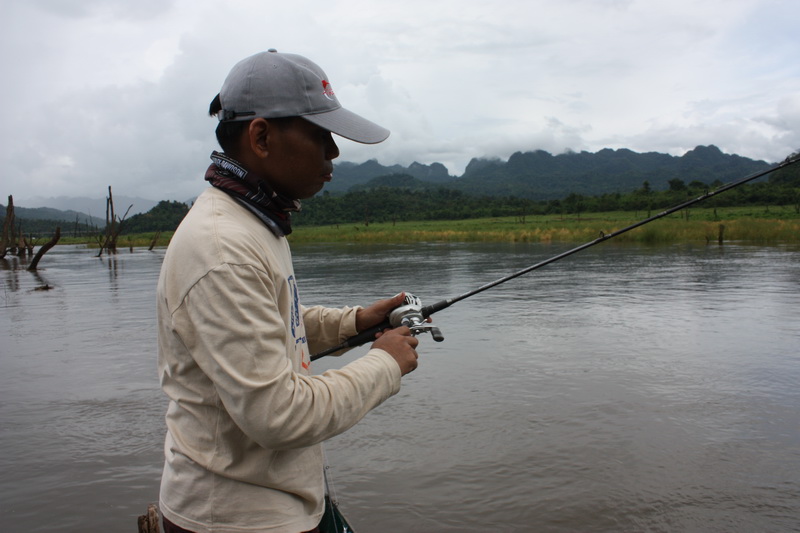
625, 388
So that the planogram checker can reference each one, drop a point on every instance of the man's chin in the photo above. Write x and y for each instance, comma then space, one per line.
311, 193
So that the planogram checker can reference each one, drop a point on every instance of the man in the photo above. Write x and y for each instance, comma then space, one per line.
246, 417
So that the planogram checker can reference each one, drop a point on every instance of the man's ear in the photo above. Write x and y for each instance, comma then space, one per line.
258, 137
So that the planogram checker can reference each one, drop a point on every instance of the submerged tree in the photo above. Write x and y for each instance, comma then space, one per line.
113, 226
44, 249
17, 243
7, 243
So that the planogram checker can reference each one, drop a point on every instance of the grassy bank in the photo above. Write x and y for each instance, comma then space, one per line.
701, 225
740, 224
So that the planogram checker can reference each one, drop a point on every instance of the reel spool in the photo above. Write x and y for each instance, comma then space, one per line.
410, 314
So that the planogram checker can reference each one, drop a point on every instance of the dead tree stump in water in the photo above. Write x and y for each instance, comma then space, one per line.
43, 250
113, 226
149, 523
154, 241
7, 241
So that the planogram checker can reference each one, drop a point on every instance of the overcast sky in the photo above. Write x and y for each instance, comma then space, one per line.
116, 92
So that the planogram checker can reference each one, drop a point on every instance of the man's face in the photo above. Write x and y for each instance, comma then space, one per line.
300, 159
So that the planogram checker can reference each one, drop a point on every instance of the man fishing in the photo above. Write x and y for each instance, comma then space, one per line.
246, 418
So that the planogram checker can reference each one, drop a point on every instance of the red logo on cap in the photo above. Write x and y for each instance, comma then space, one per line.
327, 90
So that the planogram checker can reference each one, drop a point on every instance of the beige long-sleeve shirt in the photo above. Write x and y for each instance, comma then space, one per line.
246, 416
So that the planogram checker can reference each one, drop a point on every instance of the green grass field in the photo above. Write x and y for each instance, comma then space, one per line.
741, 224
700, 225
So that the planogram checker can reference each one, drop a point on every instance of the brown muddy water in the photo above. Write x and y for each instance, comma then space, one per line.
625, 388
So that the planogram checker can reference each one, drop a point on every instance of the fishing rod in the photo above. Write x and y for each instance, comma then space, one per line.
414, 315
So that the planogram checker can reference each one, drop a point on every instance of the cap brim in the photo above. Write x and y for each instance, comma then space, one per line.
350, 126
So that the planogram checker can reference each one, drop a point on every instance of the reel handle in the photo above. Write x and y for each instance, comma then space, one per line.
410, 314
435, 332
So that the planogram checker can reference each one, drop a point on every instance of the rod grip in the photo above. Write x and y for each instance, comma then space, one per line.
368, 335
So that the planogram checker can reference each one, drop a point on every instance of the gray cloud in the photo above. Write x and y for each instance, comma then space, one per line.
115, 9
116, 92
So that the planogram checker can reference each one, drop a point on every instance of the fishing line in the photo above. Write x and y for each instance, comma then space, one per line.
414, 315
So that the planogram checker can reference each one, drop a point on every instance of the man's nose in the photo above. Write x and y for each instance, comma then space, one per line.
331, 150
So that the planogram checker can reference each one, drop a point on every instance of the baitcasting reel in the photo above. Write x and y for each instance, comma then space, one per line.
410, 314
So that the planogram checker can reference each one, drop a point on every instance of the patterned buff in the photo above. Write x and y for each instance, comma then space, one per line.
273, 209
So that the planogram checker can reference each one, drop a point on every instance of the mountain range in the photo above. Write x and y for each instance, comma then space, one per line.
95, 208
539, 175
536, 175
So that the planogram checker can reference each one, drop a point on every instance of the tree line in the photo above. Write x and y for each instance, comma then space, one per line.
390, 204
401, 197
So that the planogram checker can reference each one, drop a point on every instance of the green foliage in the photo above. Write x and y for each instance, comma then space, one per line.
392, 204
394, 181
787, 176
163, 217
395, 204
678, 184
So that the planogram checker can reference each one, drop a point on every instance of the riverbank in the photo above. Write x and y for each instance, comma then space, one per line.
706, 225
740, 224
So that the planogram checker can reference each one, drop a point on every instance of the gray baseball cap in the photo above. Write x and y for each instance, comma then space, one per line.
273, 85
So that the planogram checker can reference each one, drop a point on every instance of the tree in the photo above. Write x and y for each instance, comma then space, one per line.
44, 249
786, 176
166, 216
7, 243
676, 185
113, 226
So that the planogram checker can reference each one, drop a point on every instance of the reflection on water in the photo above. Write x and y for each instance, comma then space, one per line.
621, 389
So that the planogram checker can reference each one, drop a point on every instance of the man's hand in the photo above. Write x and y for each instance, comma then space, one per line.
400, 344
377, 312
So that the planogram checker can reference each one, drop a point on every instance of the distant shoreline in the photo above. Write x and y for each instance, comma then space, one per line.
740, 224
666, 231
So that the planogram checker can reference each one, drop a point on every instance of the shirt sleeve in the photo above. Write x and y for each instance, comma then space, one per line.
328, 327
240, 343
